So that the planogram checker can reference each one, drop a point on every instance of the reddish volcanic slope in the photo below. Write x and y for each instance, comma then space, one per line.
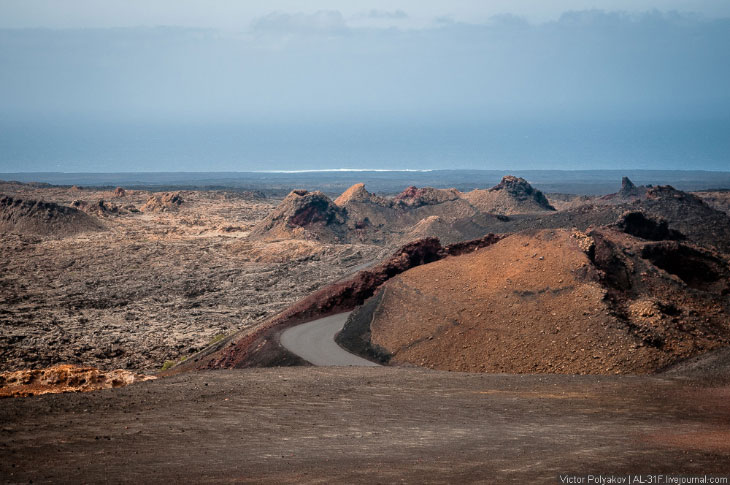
552, 301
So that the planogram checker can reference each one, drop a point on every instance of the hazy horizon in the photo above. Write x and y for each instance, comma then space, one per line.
413, 85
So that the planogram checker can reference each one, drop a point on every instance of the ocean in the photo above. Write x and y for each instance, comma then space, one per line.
142, 146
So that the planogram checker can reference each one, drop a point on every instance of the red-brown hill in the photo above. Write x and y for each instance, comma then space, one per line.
552, 301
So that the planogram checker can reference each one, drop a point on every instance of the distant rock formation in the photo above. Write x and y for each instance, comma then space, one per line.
628, 192
39, 218
689, 215
628, 189
415, 213
304, 215
417, 197
357, 193
513, 195
446, 231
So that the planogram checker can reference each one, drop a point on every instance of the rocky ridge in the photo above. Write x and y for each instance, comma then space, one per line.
34, 217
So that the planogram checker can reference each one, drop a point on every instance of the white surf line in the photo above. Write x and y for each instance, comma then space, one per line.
315, 342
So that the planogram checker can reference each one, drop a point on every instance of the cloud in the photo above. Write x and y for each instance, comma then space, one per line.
320, 22
386, 14
591, 64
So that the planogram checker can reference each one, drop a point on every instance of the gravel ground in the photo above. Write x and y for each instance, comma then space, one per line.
367, 425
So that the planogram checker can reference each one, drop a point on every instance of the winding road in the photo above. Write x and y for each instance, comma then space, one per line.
315, 342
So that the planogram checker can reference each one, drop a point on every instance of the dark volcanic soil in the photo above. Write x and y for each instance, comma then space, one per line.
366, 425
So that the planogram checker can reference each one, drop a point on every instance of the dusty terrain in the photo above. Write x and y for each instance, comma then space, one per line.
153, 285
367, 425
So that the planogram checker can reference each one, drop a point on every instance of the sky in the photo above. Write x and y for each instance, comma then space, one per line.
238, 14
289, 85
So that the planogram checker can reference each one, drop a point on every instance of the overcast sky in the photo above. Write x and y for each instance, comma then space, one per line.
238, 14
318, 65
329, 61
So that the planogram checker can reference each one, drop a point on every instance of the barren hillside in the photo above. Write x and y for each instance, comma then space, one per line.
38, 218
555, 301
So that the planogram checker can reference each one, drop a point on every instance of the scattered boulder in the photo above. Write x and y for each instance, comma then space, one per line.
120, 192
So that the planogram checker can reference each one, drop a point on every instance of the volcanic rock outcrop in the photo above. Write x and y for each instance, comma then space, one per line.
169, 201
64, 378
717, 199
99, 208
553, 301
629, 190
358, 193
417, 197
513, 195
304, 215
43, 218
627, 193
638, 224
690, 215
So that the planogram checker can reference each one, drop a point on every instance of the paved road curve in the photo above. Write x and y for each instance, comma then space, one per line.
315, 342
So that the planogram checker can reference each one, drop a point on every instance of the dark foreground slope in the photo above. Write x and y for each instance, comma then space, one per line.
375, 425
